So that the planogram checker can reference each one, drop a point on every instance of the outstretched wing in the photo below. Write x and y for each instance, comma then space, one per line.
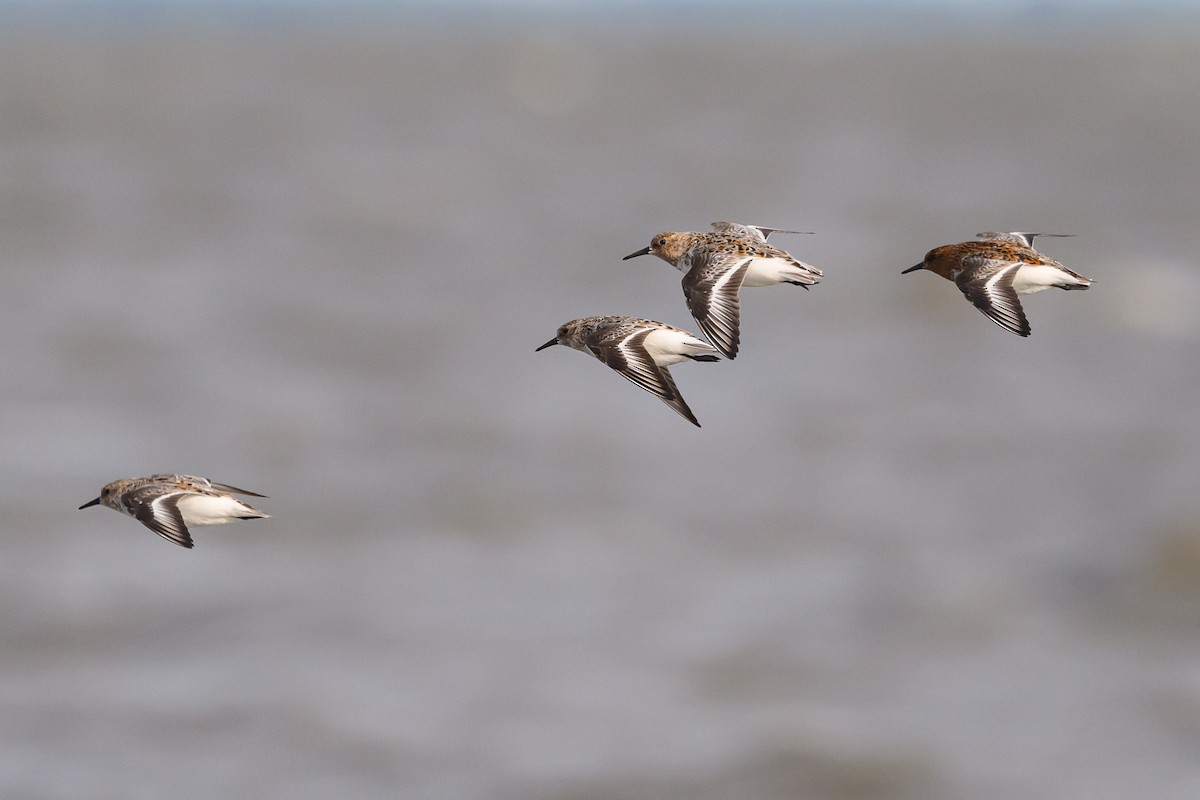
711, 288
162, 516
1017, 237
203, 484
988, 284
633, 362
758, 232
225, 487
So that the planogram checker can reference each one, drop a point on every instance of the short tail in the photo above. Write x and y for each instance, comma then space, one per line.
250, 512
1080, 282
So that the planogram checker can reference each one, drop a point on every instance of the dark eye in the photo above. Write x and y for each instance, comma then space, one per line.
661, 242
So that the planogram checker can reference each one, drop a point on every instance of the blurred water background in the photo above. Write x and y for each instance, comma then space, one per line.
310, 252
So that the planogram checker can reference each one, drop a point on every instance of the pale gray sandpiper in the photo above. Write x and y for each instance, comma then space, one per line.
991, 273
717, 264
640, 350
168, 504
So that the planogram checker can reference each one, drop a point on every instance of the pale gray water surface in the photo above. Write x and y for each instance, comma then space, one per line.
909, 555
